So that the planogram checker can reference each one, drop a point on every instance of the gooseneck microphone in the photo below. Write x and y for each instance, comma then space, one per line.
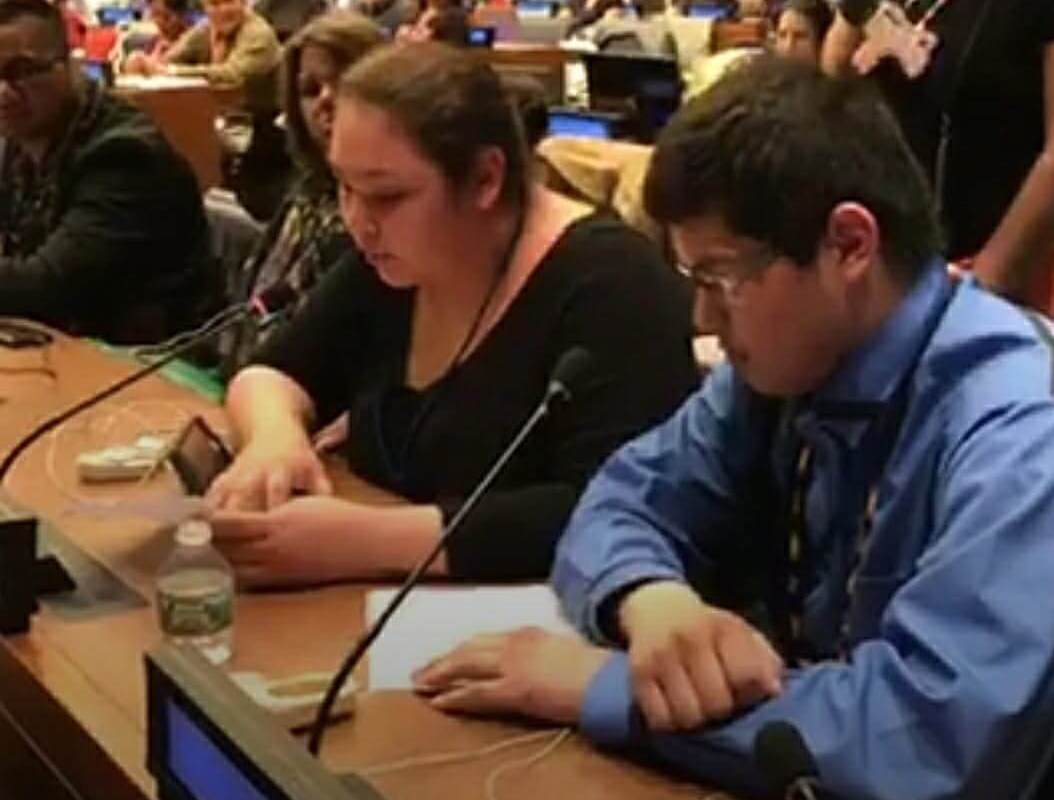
567, 373
266, 306
785, 760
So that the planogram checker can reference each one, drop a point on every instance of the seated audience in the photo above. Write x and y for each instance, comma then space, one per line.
478, 280
801, 28
307, 236
171, 18
102, 231
848, 528
233, 47
643, 30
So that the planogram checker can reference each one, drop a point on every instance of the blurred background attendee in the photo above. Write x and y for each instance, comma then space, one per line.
233, 47
306, 237
980, 119
101, 225
801, 28
170, 19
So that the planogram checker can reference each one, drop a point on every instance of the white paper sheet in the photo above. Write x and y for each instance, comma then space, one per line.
433, 620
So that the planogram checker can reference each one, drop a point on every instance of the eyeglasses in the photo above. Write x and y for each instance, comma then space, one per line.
20, 69
724, 277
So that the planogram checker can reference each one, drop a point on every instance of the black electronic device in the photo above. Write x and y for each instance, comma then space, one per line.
645, 88
206, 740
198, 455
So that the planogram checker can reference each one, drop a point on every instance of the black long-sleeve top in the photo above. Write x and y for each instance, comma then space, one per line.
601, 286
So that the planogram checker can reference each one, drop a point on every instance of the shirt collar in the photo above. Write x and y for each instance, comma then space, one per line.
870, 374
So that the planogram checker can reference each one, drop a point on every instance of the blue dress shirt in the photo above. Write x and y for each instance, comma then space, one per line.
947, 689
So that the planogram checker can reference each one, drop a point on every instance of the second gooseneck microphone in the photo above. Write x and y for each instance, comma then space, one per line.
567, 373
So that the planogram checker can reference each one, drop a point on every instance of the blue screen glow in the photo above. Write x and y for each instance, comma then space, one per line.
203, 769
578, 125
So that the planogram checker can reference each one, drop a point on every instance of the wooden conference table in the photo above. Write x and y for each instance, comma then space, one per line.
72, 700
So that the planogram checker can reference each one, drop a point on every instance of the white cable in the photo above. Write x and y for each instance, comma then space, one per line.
438, 759
490, 786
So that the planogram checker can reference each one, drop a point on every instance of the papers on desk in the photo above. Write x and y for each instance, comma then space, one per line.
144, 82
434, 620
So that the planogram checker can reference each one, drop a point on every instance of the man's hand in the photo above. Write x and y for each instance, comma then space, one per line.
692, 663
529, 671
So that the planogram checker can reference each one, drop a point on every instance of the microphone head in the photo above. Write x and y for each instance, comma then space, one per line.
782, 755
568, 372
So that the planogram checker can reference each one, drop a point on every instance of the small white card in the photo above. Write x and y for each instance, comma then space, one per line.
434, 620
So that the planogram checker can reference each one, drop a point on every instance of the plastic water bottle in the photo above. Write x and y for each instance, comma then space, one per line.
195, 593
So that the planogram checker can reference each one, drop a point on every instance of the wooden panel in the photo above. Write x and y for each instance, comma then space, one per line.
544, 64
187, 118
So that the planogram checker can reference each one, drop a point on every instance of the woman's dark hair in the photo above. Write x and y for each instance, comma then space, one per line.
527, 95
817, 12
451, 105
774, 146
347, 37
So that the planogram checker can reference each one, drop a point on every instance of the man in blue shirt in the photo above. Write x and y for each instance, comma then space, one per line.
851, 526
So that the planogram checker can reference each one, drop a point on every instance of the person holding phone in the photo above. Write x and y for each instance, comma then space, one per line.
475, 281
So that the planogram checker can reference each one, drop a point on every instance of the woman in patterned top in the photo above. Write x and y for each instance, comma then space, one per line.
306, 236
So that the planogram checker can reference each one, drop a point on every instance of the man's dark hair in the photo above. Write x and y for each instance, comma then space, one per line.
774, 146
11, 10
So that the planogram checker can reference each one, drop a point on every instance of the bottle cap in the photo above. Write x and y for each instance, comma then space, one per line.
194, 533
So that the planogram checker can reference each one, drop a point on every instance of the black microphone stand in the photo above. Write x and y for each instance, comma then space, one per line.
556, 390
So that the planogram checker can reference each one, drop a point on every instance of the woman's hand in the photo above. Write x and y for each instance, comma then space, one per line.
268, 471
304, 541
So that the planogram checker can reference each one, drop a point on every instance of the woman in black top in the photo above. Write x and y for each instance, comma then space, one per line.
988, 95
306, 237
478, 280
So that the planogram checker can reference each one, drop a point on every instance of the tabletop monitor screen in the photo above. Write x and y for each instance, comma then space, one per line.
709, 11
481, 36
115, 15
207, 741
572, 123
534, 8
